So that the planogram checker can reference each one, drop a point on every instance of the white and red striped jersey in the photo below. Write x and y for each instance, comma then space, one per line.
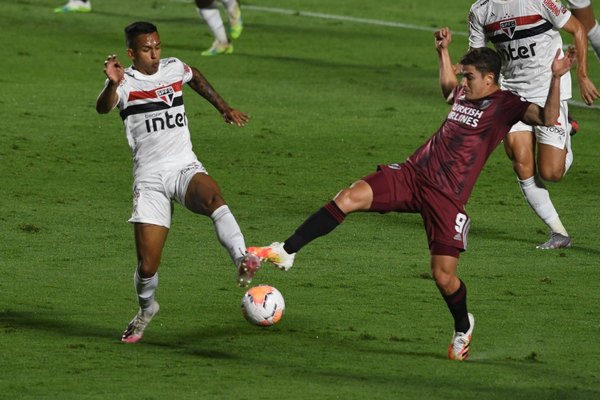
153, 114
526, 34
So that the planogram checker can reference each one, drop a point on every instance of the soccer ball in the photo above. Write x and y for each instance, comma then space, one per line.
263, 305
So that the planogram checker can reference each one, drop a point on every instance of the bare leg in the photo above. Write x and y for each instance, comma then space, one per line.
519, 147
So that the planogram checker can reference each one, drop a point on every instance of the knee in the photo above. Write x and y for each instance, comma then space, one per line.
552, 175
347, 200
444, 281
441, 279
523, 169
204, 203
212, 201
357, 197
344, 197
148, 266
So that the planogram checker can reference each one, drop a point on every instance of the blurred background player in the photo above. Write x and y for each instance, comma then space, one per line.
526, 34
210, 12
149, 96
75, 6
583, 11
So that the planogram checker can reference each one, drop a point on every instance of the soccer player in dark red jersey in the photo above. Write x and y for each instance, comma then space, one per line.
437, 179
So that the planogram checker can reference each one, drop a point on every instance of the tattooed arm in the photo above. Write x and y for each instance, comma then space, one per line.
204, 89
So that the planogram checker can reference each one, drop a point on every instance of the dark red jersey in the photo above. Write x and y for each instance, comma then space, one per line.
453, 157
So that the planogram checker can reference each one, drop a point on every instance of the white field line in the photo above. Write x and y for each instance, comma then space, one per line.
344, 18
392, 24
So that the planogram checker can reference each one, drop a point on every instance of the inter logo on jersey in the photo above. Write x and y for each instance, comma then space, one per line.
508, 27
166, 94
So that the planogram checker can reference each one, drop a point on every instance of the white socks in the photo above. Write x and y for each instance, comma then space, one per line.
233, 9
594, 39
538, 198
213, 19
229, 233
145, 288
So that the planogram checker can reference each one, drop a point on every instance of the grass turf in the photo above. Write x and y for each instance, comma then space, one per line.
329, 100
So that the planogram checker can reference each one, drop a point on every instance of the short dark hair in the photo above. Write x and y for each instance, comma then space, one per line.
484, 60
138, 28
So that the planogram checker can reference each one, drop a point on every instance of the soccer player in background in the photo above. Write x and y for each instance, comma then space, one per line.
149, 95
583, 11
75, 6
437, 179
526, 34
209, 11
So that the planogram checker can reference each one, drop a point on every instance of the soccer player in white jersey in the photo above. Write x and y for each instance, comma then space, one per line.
583, 11
209, 11
526, 34
150, 100
75, 6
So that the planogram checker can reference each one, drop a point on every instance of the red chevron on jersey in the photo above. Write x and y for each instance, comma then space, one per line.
153, 114
514, 22
164, 93
526, 34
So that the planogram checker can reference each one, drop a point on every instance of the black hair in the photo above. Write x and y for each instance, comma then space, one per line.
138, 28
484, 60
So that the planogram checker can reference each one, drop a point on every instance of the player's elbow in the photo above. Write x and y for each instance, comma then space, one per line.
447, 91
102, 107
549, 118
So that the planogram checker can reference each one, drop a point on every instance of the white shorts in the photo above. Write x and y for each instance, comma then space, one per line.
153, 194
558, 135
575, 4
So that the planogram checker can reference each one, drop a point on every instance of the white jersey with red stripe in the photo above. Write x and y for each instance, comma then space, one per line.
526, 34
153, 114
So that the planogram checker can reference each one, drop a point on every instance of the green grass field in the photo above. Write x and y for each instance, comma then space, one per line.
329, 100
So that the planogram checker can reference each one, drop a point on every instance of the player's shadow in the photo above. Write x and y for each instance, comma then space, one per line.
55, 323
515, 240
51, 322
194, 341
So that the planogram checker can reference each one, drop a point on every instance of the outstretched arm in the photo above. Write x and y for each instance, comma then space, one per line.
448, 80
588, 90
204, 89
547, 116
108, 98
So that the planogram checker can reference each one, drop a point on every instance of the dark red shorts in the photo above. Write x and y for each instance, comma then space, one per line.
396, 187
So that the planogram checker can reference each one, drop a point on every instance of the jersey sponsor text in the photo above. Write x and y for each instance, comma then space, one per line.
166, 120
465, 115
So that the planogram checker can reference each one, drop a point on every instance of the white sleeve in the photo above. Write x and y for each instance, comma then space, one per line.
575, 4
121, 95
555, 12
187, 73
477, 36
